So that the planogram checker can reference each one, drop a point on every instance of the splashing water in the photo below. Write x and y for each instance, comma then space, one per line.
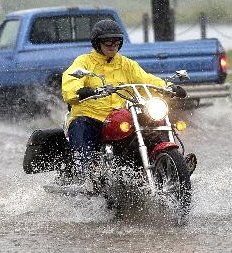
32, 219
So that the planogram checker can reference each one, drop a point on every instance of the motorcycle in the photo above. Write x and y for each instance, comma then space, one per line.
139, 145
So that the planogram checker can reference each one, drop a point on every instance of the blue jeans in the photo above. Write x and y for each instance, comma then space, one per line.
85, 137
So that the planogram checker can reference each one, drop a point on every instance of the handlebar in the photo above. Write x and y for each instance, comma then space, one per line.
110, 89
101, 92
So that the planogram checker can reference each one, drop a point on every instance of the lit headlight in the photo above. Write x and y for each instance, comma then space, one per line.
156, 108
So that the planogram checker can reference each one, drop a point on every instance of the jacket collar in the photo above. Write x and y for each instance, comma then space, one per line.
102, 59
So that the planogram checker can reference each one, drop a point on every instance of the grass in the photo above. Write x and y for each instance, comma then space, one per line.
216, 11
131, 11
229, 76
229, 56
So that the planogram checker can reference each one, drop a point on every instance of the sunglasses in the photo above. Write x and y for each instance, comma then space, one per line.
111, 42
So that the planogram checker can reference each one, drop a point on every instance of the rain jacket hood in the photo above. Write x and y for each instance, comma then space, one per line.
119, 70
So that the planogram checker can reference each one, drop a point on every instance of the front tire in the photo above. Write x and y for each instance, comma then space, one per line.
172, 181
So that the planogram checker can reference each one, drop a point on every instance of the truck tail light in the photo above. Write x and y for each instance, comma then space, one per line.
223, 63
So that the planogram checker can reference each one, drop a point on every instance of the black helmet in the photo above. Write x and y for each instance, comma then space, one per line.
103, 29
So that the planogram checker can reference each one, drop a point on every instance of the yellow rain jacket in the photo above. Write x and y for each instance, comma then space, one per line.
120, 70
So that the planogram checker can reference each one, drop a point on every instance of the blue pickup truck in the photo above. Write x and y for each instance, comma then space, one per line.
37, 45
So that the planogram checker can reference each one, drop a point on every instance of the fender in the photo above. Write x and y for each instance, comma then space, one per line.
162, 146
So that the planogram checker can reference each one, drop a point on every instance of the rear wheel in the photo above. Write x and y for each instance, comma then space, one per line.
172, 181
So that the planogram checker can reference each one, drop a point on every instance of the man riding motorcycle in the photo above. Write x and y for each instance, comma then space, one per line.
86, 119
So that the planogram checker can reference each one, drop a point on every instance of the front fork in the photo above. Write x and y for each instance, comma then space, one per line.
142, 149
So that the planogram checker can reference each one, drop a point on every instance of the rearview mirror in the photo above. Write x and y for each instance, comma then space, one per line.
79, 73
182, 75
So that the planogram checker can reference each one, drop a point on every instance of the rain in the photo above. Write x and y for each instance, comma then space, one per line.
35, 220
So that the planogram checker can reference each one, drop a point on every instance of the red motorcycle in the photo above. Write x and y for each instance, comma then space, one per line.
140, 147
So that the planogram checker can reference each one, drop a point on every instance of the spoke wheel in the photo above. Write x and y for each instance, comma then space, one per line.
172, 180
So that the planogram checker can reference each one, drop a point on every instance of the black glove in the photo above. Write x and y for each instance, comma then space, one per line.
85, 92
180, 91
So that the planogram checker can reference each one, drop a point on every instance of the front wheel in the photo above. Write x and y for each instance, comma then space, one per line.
171, 180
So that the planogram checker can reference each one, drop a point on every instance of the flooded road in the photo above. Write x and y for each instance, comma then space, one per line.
32, 220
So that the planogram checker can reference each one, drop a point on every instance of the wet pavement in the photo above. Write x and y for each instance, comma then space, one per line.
32, 220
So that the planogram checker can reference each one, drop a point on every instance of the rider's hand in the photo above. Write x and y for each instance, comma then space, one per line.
180, 91
85, 93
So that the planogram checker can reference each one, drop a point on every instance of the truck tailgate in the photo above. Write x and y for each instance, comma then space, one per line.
201, 58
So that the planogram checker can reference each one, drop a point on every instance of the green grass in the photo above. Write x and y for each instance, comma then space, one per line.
131, 11
229, 56
188, 11
229, 78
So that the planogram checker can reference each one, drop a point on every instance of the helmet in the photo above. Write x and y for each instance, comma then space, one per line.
103, 29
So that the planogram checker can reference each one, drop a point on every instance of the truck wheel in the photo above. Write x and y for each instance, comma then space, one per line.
28, 104
193, 103
54, 86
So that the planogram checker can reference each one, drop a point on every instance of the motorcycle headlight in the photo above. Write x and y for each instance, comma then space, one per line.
156, 108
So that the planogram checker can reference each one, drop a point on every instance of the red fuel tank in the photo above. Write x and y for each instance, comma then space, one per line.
118, 125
